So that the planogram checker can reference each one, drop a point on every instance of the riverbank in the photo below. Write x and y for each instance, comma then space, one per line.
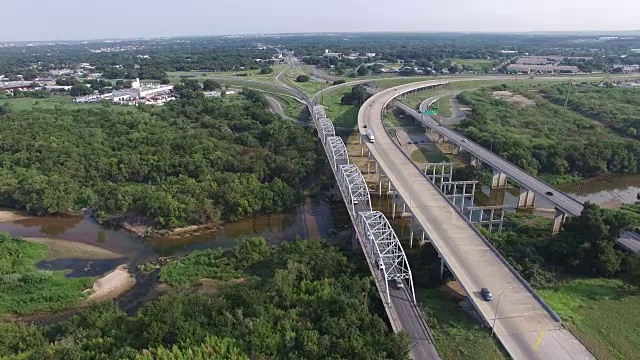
9, 216
59, 248
112, 285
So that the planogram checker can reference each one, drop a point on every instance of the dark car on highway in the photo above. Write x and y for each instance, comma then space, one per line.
486, 294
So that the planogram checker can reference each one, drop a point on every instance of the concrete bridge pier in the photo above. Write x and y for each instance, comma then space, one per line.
441, 267
499, 180
477, 163
558, 220
362, 147
456, 150
526, 199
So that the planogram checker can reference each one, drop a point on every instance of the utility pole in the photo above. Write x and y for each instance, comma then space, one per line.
566, 100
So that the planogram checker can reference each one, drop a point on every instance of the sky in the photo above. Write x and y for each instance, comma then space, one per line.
44, 20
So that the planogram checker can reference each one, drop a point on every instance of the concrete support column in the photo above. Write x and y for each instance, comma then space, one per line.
456, 150
526, 199
441, 267
499, 180
361, 151
393, 205
411, 233
558, 220
477, 163
368, 166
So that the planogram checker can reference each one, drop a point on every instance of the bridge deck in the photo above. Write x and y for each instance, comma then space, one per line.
524, 326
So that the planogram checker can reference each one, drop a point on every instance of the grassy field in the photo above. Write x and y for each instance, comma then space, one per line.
291, 107
444, 104
26, 289
456, 334
429, 154
341, 115
251, 74
53, 101
603, 313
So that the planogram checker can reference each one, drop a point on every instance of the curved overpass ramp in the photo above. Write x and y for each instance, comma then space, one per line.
526, 327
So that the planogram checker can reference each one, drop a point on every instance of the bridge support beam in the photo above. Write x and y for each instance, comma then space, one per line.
456, 150
558, 220
441, 267
362, 147
499, 180
477, 163
526, 199
411, 233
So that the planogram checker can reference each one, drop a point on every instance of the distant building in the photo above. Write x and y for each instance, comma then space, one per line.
508, 51
545, 69
327, 53
137, 94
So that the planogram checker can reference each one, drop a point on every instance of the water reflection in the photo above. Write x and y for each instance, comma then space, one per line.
608, 191
314, 220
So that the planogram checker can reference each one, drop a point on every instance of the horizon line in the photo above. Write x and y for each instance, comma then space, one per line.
536, 32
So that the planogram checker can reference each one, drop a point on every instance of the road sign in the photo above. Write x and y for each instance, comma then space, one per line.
431, 112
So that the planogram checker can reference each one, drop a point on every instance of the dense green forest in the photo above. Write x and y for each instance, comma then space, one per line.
301, 300
193, 161
544, 138
616, 108
586, 246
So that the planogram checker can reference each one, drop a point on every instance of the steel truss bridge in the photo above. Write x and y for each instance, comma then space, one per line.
383, 251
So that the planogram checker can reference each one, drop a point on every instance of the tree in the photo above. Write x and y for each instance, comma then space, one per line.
587, 242
210, 85
80, 90
363, 70
632, 131
266, 70
303, 78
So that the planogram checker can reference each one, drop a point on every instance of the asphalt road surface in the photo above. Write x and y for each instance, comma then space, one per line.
523, 325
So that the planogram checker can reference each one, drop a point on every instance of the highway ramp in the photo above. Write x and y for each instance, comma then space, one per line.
523, 325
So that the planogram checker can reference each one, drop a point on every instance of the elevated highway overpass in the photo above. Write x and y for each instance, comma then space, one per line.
524, 324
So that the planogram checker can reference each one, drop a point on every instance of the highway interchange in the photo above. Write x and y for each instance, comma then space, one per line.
526, 328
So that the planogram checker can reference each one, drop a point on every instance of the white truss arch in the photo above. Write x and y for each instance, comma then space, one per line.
318, 112
354, 189
384, 246
325, 129
336, 151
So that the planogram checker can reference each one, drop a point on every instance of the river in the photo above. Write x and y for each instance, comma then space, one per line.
607, 191
313, 220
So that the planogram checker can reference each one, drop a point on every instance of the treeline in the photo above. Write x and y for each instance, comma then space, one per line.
586, 246
616, 108
193, 161
303, 300
541, 137
147, 59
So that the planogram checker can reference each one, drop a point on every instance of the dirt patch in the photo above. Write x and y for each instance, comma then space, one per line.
454, 290
517, 99
59, 248
112, 285
10, 216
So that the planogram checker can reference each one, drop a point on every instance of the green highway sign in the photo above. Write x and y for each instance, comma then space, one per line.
431, 112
